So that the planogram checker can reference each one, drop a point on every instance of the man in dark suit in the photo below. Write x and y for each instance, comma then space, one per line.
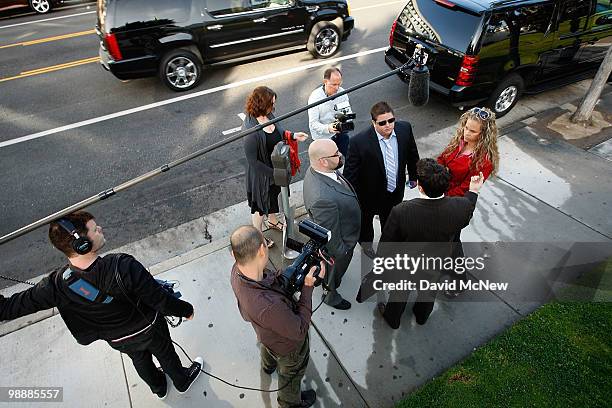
332, 203
376, 166
430, 219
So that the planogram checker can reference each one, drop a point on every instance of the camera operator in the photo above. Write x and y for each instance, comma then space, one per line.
112, 298
281, 323
322, 119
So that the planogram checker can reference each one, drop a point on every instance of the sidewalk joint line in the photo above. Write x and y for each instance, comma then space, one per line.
554, 208
127, 383
333, 353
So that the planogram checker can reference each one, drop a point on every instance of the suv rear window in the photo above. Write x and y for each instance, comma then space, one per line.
439, 23
148, 11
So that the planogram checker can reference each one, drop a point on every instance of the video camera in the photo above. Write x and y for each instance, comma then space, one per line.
344, 118
311, 254
168, 286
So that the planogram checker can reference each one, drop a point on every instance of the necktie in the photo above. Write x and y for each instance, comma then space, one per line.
391, 167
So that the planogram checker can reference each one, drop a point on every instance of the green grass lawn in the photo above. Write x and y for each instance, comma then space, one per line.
559, 356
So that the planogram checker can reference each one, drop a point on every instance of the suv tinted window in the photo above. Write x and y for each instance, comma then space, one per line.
602, 15
521, 26
151, 11
440, 24
573, 16
221, 7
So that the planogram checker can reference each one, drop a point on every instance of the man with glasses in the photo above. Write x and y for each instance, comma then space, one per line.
332, 203
321, 118
376, 166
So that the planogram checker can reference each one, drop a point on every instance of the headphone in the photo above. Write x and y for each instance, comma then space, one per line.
80, 245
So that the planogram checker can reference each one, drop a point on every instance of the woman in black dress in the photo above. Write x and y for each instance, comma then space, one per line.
262, 194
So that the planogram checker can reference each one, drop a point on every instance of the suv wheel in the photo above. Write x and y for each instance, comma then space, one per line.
180, 70
40, 6
324, 39
505, 96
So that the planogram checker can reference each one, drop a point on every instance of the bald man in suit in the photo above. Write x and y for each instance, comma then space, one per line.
332, 203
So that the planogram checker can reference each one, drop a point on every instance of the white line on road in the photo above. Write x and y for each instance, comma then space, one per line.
46, 19
242, 116
225, 87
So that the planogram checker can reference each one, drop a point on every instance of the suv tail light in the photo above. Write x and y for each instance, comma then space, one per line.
392, 33
467, 70
113, 47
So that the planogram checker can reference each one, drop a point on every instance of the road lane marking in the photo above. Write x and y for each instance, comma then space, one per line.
378, 5
46, 19
273, 75
49, 39
242, 116
44, 70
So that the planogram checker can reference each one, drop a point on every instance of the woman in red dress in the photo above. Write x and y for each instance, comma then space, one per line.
473, 150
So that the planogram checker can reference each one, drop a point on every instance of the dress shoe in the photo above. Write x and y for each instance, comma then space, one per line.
309, 397
343, 305
269, 370
369, 252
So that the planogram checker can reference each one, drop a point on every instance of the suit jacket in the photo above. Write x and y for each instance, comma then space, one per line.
422, 222
365, 167
335, 207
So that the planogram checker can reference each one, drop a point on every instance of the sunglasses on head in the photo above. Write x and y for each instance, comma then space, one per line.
384, 122
482, 113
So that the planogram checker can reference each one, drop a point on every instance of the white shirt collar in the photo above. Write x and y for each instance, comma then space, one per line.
423, 196
380, 137
331, 175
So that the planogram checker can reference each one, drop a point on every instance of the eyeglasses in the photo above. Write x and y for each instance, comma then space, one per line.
482, 113
333, 155
384, 122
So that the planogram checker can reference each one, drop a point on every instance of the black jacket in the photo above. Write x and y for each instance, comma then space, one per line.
365, 166
88, 321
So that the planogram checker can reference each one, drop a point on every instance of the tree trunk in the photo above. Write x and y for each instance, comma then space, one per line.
585, 109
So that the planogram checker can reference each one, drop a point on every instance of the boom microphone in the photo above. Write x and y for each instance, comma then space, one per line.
418, 87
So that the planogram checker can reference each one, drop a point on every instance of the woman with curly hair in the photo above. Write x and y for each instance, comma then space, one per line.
472, 151
262, 194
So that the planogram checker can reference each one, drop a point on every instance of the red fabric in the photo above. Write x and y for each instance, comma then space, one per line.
459, 166
294, 157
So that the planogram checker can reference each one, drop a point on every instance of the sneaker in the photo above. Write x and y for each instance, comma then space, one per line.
192, 374
163, 393
309, 397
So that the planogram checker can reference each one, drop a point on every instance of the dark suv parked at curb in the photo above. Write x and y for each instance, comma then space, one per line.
495, 50
174, 39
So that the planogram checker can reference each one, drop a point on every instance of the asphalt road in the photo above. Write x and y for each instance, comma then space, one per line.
45, 174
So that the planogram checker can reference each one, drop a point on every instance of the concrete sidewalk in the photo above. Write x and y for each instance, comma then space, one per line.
547, 190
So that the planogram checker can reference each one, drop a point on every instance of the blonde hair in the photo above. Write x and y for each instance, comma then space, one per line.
486, 147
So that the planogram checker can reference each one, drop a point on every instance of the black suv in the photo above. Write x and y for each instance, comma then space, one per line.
494, 50
173, 39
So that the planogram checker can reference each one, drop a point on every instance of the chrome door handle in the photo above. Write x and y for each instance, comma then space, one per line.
260, 20
215, 27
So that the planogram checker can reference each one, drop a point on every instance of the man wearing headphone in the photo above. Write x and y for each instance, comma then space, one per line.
281, 324
111, 298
